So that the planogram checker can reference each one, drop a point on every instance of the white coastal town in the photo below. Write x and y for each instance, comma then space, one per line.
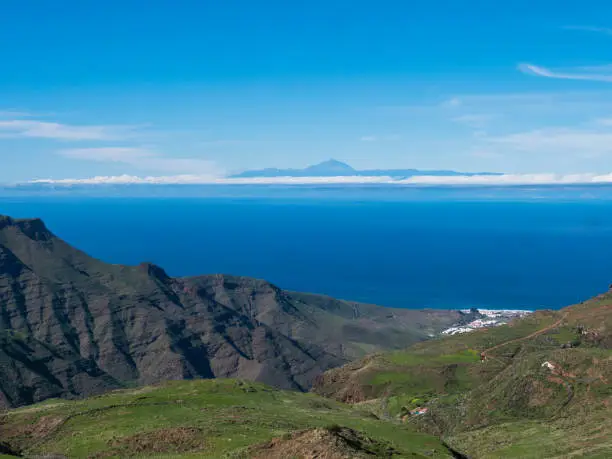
488, 318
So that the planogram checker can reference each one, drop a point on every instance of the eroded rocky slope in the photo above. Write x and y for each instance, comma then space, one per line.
71, 325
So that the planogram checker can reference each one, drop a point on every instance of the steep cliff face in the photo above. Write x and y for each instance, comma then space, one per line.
72, 325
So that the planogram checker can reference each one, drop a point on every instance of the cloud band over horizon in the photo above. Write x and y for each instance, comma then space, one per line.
423, 180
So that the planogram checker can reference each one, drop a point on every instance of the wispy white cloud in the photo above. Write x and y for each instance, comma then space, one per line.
452, 102
66, 132
181, 166
12, 113
605, 75
601, 73
604, 30
470, 100
462, 180
139, 157
104, 154
211, 180
368, 138
604, 121
131, 180
145, 159
536, 109
496, 105
512, 179
559, 141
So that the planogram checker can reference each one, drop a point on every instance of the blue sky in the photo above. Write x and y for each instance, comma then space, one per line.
205, 88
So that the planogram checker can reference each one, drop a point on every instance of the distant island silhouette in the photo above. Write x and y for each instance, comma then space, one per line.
334, 168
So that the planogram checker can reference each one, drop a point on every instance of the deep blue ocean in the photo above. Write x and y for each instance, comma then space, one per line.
439, 254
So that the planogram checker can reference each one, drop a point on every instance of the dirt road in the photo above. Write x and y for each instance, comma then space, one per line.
532, 335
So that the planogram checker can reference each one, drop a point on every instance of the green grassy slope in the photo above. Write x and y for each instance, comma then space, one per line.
426, 369
200, 418
510, 405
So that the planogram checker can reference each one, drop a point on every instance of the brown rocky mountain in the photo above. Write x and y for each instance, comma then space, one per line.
71, 325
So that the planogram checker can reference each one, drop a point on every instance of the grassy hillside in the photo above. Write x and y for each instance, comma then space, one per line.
206, 418
545, 382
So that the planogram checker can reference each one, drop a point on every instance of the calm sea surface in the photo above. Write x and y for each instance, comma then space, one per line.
406, 254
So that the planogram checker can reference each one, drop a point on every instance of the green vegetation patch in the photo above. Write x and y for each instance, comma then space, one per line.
564, 335
407, 358
566, 437
201, 418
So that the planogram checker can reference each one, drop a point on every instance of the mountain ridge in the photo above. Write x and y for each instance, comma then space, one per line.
72, 325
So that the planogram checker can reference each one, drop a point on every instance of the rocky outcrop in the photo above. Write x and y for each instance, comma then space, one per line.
334, 442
